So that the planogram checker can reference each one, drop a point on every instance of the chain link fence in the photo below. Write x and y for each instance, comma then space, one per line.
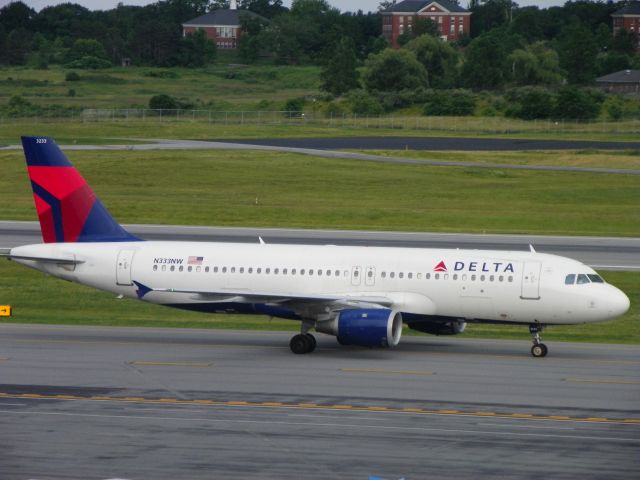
500, 125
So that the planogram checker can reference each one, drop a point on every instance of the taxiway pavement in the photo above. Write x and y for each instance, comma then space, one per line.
97, 402
603, 253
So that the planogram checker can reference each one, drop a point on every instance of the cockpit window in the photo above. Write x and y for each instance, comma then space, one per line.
570, 279
582, 278
595, 278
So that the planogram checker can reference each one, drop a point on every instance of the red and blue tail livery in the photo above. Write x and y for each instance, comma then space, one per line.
68, 209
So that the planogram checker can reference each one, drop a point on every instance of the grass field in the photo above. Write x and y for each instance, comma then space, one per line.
221, 87
625, 159
37, 298
274, 189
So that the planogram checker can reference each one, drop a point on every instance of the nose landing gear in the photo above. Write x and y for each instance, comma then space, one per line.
538, 349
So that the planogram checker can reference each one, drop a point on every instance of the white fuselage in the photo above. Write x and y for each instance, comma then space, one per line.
481, 285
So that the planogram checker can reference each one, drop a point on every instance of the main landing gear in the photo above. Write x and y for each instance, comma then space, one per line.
539, 349
302, 343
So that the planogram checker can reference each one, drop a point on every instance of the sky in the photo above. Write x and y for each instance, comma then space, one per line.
348, 5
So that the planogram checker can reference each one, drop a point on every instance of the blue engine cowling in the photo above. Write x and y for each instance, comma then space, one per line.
365, 327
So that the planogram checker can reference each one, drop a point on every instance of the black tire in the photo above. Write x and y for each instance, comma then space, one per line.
539, 350
313, 343
299, 344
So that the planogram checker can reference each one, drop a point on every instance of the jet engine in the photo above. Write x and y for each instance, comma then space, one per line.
365, 327
449, 327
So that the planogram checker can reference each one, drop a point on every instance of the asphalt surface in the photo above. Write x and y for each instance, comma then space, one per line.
437, 143
288, 145
97, 403
602, 253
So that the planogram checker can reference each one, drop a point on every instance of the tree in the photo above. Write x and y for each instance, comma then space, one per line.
87, 47
249, 44
265, 8
16, 15
340, 74
574, 103
439, 58
486, 61
17, 46
535, 65
195, 50
394, 71
578, 50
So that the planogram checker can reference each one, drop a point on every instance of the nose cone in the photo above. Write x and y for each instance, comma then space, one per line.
618, 302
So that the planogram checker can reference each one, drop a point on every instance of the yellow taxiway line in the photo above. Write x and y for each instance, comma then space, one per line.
314, 406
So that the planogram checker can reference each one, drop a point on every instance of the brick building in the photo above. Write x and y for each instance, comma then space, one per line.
221, 26
452, 20
628, 18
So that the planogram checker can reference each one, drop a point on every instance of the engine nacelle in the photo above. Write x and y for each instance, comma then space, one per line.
365, 327
451, 327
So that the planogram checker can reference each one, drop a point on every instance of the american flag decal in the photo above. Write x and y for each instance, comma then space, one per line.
195, 260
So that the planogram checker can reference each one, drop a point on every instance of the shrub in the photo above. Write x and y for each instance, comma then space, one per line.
89, 62
363, 103
71, 92
295, 104
450, 102
530, 103
163, 102
72, 77
573, 103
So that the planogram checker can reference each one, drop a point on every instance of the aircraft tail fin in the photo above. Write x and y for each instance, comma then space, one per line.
68, 209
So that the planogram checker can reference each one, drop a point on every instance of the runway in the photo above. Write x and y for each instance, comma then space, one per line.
603, 253
92, 402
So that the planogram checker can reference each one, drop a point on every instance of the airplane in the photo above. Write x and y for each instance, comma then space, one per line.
360, 295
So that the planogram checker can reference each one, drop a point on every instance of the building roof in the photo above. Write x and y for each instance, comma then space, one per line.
229, 18
623, 76
632, 8
414, 6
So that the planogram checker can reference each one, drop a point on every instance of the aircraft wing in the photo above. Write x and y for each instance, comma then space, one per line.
248, 296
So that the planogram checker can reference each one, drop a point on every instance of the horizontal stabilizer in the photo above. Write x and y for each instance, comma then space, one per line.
66, 260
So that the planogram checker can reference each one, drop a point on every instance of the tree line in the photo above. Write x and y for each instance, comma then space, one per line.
534, 53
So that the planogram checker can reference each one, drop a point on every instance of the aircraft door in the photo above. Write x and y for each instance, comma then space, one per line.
356, 273
531, 281
123, 267
370, 276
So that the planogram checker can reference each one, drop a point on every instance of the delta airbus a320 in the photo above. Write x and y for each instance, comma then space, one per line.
360, 295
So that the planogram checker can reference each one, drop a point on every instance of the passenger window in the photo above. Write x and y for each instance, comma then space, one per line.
437, 276
189, 268
455, 276
427, 276
328, 273
595, 278
293, 271
173, 268
215, 269
198, 269
473, 278
401, 275
224, 269
319, 272
500, 278
311, 271
383, 274
582, 279
258, 270
275, 271
570, 279
267, 271
206, 269
250, 270
482, 278
181, 268
356, 273
155, 268
410, 275
337, 273
302, 271
491, 278
370, 274
392, 274
510, 278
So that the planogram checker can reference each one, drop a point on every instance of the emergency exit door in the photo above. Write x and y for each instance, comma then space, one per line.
123, 267
531, 281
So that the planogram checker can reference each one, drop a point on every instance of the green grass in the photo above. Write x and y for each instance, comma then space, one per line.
274, 189
37, 298
625, 159
219, 86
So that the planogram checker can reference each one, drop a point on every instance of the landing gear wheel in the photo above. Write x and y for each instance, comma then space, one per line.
539, 350
312, 341
301, 343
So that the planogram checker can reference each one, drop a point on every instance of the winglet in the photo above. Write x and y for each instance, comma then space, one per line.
142, 289
533, 250
261, 241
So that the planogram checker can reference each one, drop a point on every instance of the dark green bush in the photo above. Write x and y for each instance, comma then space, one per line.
450, 102
89, 63
72, 77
